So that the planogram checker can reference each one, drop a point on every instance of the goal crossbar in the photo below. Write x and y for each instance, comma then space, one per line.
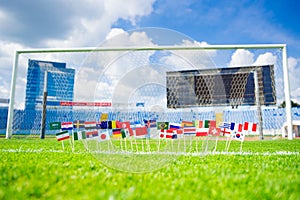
153, 48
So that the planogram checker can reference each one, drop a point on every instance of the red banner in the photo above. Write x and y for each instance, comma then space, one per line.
72, 103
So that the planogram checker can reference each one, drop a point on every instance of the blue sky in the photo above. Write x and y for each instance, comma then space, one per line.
58, 24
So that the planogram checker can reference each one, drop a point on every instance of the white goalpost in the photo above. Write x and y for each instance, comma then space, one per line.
282, 47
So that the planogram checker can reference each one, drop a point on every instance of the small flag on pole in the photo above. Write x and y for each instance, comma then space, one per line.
250, 127
213, 129
55, 126
78, 124
174, 126
189, 130
203, 129
103, 135
140, 131
116, 133
90, 125
62, 135
91, 134
226, 128
66, 126
187, 124
162, 125
79, 135
237, 133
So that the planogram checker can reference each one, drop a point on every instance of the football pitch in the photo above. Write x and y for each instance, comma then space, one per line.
39, 169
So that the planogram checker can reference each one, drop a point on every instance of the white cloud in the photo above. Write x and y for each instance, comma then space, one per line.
294, 71
190, 59
92, 31
100, 74
241, 57
114, 32
87, 25
292, 63
130, 10
266, 59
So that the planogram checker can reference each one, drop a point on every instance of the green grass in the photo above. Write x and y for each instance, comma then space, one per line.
38, 169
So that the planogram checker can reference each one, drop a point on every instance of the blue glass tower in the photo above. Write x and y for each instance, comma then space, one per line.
60, 84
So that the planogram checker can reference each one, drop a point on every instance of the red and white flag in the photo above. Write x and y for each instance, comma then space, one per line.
66, 126
250, 127
213, 129
90, 125
203, 129
141, 131
103, 135
62, 135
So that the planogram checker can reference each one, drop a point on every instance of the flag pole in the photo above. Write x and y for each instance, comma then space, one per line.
228, 145
136, 146
184, 143
148, 144
63, 146
197, 141
158, 148
125, 144
73, 141
241, 147
131, 144
143, 150
215, 149
121, 144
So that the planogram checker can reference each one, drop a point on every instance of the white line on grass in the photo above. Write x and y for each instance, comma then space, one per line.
164, 153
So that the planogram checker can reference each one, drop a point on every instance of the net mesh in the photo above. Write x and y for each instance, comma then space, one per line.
99, 78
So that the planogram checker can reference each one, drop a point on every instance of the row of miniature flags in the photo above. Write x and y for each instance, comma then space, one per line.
168, 130
92, 125
208, 127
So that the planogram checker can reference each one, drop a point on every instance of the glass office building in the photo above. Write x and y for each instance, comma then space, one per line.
60, 83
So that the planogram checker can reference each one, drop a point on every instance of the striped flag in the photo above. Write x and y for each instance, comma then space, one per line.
189, 130
198, 123
92, 134
80, 135
250, 127
66, 126
90, 125
174, 126
125, 133
111, 124
187, 124
62, 135
203, 129
117, 133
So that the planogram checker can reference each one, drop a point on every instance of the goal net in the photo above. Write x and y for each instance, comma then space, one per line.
167, 79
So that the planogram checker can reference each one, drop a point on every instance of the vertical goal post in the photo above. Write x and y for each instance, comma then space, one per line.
153, 48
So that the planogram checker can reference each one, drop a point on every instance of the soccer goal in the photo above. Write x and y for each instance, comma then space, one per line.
240, 83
